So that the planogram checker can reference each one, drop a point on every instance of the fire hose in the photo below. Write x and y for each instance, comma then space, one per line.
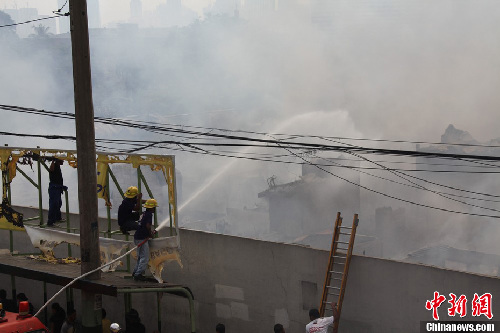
88, 273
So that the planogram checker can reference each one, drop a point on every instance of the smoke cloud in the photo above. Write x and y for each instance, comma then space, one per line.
385, 69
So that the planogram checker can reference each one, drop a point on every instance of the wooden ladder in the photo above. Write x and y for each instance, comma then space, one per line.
338, 266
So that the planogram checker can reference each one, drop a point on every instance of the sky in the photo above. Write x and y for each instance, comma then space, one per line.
111, 10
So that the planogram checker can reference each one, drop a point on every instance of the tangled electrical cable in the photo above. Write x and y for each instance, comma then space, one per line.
294, 148
402, 175
195, 149
391, 196
243, 141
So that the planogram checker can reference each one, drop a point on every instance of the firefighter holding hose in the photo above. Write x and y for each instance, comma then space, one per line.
144, 232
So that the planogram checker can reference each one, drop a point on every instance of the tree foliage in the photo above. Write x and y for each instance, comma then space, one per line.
7, 32
41, 31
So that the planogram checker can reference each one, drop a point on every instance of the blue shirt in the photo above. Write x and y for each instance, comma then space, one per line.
143, 232
125, 210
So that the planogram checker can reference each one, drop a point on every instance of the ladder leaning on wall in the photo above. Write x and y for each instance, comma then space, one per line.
338, 266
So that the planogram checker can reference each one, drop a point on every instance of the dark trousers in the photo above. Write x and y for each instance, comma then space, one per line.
131, 224
55, 203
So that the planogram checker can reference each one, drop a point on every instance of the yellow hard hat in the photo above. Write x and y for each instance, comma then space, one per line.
150, 203
132, 192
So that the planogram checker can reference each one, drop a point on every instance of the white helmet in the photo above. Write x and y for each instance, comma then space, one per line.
115, 328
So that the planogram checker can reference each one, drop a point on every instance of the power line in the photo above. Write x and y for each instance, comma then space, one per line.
343, 149
147, 144
409, 185
356, 169
264, 143
35, 20
399, 174
331, 159
45, 136
157, 129
59, 10
488, 166
312, 146
391, 196
328, 137
293, 136
446, 186
203, 151
208, 152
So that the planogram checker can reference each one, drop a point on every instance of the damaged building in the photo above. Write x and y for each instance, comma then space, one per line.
308, 206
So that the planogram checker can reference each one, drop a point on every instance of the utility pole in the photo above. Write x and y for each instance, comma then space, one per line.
86, 155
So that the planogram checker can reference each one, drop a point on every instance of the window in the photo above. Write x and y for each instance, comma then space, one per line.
309, 295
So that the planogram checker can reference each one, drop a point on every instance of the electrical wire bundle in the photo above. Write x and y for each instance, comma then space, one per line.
300, 149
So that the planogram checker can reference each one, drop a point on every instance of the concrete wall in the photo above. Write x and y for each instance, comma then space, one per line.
250, 285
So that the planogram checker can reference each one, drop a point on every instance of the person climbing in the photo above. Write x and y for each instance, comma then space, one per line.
319, 324
129, 210
145, 231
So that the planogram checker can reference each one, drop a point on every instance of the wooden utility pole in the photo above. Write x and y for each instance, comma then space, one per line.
86, 154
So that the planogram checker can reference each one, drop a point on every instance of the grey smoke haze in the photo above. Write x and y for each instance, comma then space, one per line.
387, 63
373, 69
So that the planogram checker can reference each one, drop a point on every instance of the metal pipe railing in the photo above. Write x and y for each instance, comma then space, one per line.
115, 181
68, 224
170, 214
158, 309
108, 208
31, 219
139, 184
40, 202
26, 176
150, 193
168, 290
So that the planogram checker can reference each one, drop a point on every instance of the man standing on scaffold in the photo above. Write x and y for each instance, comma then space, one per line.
144, 232
129, 210
56, 188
